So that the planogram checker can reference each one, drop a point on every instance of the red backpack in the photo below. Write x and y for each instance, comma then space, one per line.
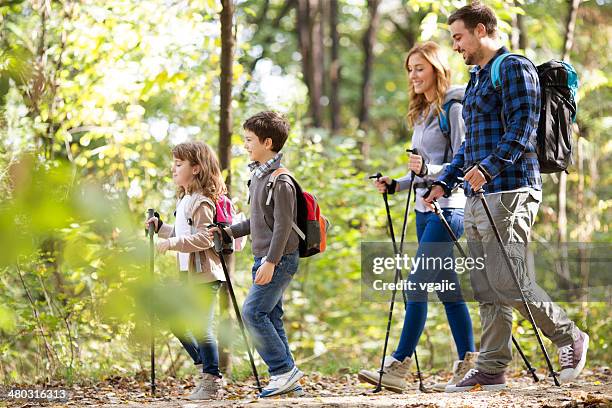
311, 225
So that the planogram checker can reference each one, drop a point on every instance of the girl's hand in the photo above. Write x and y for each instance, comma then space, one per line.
162, 245
153, 220
416, 163
264, 273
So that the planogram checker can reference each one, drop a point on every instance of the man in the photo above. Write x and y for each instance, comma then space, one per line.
500, 159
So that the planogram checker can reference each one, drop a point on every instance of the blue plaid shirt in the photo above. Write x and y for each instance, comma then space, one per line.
504, 153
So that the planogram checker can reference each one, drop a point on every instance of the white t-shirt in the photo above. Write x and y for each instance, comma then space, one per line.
182, 228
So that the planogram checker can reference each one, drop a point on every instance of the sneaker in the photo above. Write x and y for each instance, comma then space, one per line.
296, 391
573, 357
394, 374
210, 387
460, 369
279, 384
473, 378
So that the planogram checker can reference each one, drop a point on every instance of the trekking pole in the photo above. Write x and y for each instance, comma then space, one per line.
390, 224
451, 233
401, 251
218, 241
397, 277
524, 357
516, 281
150, 232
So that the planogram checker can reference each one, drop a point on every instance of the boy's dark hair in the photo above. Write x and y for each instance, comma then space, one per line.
474, 14
269, 124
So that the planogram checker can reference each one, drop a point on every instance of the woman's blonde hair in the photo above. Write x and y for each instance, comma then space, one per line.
418, 104
208, 180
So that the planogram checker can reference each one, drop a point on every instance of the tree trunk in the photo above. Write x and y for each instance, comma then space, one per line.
519, 36
334, 67
570, 28
309, 42
225, 144
562, 187
225, 114
522, 38
318, 62
368, 41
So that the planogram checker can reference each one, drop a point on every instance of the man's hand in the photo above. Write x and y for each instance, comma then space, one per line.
264, 273
435, 193
162, 245
476, 178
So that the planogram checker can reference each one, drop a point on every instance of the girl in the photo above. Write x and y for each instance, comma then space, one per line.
429, 91
195, 171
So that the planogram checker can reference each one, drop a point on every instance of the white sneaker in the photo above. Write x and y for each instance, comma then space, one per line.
279, 384
573, 357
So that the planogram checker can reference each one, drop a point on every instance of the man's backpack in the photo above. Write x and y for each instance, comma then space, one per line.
311, 225
444, 123
558, 87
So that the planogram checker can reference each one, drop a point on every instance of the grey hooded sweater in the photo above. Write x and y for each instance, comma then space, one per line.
431, 143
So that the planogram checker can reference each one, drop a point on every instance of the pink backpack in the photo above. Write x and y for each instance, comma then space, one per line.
224, 211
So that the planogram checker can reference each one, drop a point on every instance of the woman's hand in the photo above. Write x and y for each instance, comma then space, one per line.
382, 183
416, 163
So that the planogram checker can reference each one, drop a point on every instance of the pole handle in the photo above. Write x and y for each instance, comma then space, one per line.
151, 229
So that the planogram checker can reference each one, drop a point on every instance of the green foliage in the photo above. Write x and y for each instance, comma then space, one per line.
87, 122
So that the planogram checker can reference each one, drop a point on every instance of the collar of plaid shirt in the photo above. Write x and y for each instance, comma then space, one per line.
477, 68
260, 169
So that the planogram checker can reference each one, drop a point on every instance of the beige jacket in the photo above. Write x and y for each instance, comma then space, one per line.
202, 211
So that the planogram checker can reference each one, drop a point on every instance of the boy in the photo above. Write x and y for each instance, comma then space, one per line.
275, 249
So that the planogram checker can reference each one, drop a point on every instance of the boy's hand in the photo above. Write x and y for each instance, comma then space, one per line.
264, 273
212, 230
162, 245
435, 193
153, 220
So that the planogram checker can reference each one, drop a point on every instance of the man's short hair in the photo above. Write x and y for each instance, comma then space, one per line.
474, 14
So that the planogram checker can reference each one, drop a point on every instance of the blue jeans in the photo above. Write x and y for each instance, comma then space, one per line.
263, 313
431, 230
201, 343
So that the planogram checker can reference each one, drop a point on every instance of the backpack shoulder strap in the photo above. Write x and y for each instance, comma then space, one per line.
444, 123
189, 211
190, 207
496, 68
272, 183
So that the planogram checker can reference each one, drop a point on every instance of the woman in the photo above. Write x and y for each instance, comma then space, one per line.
430, 93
